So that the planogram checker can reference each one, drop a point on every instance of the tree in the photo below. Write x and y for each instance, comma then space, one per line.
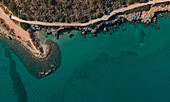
25, 26
5, 2
50, 2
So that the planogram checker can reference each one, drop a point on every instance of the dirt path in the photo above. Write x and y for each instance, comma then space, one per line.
25, 36
105, 17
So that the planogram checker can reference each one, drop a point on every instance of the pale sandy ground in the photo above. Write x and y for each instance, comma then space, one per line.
153, 9
105, 17
25, 36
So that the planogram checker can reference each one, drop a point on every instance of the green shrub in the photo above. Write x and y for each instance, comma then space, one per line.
25, 26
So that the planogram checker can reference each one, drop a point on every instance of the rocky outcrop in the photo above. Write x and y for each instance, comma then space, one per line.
144, 17
133, 16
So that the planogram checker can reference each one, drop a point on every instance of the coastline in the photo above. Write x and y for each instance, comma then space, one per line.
27, 46
40, 66
34, 65
102, 62
14, 31
48, 49
139, 16
113, 19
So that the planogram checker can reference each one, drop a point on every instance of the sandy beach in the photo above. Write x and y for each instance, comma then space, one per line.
20, 34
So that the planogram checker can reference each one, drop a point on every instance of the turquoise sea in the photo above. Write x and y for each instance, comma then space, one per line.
132, 64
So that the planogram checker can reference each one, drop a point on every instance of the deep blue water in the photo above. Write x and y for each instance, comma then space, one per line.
129, 66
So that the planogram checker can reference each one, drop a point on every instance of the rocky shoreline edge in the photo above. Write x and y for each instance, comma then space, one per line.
143, 16
38, 67
43, 67
50, 45
13, 31
46, 61
139, 16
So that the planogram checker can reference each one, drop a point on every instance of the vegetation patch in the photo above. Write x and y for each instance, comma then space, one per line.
25, 26
143, 8
65, 10
162, 4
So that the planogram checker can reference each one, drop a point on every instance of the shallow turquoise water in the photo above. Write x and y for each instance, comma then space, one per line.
108, 68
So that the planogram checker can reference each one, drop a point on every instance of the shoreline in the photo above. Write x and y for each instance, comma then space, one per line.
14, 31
34, 53
145, 17
35, 65
40, 72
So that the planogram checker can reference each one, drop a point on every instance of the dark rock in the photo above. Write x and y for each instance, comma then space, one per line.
157, 27
57, 36
124, 29
10, 38
94, 35
70, 35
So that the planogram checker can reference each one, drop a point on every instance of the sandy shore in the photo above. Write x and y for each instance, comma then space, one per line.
35, 65
21, 35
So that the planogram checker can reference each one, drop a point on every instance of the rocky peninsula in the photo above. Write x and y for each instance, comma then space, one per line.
35, 56
14, 31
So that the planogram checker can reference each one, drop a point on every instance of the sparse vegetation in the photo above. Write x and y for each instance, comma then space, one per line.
65, 10
25, 26
143, 8
162, 4
6, 27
